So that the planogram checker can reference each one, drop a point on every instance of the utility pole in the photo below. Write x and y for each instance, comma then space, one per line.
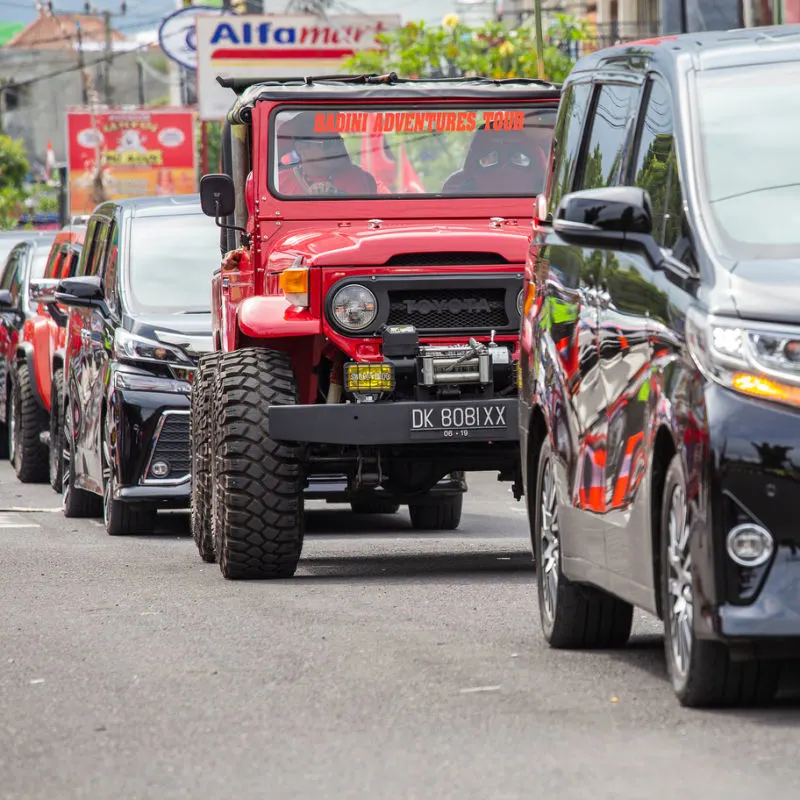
107, 22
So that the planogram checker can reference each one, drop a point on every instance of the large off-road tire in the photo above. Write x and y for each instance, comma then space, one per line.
56, 446
441, 514
572, 615
200, 434
75, 502
701, 671
28, 421
258, 483
374, 505
121, 519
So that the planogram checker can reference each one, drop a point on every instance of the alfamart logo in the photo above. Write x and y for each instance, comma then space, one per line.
247, 42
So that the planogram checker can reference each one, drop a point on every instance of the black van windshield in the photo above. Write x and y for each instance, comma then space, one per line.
749, 120
170, 265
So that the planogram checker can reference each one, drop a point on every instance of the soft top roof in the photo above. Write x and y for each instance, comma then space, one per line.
376, 87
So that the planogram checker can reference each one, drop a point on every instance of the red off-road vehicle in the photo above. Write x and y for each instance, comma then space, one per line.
366, 330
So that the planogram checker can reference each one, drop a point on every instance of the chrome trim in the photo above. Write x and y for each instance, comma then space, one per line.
143, 481
192, 345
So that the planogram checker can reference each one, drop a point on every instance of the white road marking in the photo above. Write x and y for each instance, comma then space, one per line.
12, 520
31, 510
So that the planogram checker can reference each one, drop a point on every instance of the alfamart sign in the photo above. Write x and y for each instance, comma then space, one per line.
276, 46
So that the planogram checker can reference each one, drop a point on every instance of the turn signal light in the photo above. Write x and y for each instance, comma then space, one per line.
767, 389
362, 377
294, 284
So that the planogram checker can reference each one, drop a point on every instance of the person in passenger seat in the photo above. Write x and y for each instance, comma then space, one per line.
500, 162
314, 162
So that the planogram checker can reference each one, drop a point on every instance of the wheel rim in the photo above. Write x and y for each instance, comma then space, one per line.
66, 453
681, 600
108, 478
549, 541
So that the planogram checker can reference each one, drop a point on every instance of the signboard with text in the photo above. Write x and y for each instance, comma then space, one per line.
141, 152
276, 46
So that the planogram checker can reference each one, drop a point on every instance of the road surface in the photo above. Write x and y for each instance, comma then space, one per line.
393, 666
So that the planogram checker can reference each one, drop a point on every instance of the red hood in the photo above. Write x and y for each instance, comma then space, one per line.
364, 246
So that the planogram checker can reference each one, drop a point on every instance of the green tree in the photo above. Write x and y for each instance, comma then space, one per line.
453, 49
13, 170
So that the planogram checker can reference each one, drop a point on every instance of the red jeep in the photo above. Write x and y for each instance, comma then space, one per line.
366, 325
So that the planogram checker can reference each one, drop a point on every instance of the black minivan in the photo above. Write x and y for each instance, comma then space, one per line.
660, 365
140, 315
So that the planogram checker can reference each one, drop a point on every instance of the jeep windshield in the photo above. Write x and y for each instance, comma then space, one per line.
348, 152
749, 120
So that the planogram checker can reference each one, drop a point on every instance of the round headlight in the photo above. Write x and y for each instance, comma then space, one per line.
354, 307
520, 300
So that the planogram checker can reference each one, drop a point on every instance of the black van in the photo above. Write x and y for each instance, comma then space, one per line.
660, 366
140, 317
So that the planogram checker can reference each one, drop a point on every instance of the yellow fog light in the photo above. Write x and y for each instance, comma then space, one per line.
363, 377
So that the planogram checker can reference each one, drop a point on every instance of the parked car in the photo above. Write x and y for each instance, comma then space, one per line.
46, 333
20, 395
139, 317
366, 340
666, 477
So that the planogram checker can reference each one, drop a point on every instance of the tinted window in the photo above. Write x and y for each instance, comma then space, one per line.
86, 254
612, 113
656, 166
95, 262
170, 261
749, 119
111, 265
567, 141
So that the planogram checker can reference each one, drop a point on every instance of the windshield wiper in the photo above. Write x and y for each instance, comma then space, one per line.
754, 191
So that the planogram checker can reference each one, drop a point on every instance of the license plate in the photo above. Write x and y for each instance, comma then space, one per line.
458, 422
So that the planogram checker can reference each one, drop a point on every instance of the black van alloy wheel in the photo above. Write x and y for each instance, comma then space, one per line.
258, 484
200, 437
701, 671
56, 447
75, 502
572, 615
28, 420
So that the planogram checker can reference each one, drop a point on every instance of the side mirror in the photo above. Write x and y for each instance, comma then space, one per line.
614, 217
217, 196
83, 292
43, 290
6, 300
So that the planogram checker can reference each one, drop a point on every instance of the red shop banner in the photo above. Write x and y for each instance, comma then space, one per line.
139, 152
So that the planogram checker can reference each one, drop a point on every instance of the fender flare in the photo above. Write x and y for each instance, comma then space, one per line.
25, 350
271, 317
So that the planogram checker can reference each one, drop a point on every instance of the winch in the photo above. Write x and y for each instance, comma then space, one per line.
459, 363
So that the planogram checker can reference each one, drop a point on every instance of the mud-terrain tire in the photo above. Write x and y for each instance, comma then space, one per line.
200, 436
701, 671
75, 502
29, 454
258, 483
374, 505
56, 446
573, 615
442, 515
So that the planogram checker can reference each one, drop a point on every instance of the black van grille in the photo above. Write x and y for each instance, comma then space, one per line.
173, 447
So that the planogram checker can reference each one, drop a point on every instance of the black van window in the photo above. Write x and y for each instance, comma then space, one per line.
612, 113
566, 141
656, 167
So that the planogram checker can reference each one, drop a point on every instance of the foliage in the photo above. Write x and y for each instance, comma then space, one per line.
12, 207
454, 50
214, 138
13, 170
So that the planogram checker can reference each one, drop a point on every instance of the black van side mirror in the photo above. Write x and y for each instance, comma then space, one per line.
85, 291
611, 218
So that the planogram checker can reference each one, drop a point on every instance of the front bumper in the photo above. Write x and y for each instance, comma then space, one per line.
152, 437
405, 423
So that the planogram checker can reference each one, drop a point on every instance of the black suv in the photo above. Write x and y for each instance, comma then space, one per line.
660, 370
140, 316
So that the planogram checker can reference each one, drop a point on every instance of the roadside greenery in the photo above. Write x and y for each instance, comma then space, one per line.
13, 171
453, 49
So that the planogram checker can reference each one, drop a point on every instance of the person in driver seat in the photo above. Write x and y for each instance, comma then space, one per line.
500, 162
314, 162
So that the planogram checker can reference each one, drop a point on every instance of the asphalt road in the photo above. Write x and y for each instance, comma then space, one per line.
393, 666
